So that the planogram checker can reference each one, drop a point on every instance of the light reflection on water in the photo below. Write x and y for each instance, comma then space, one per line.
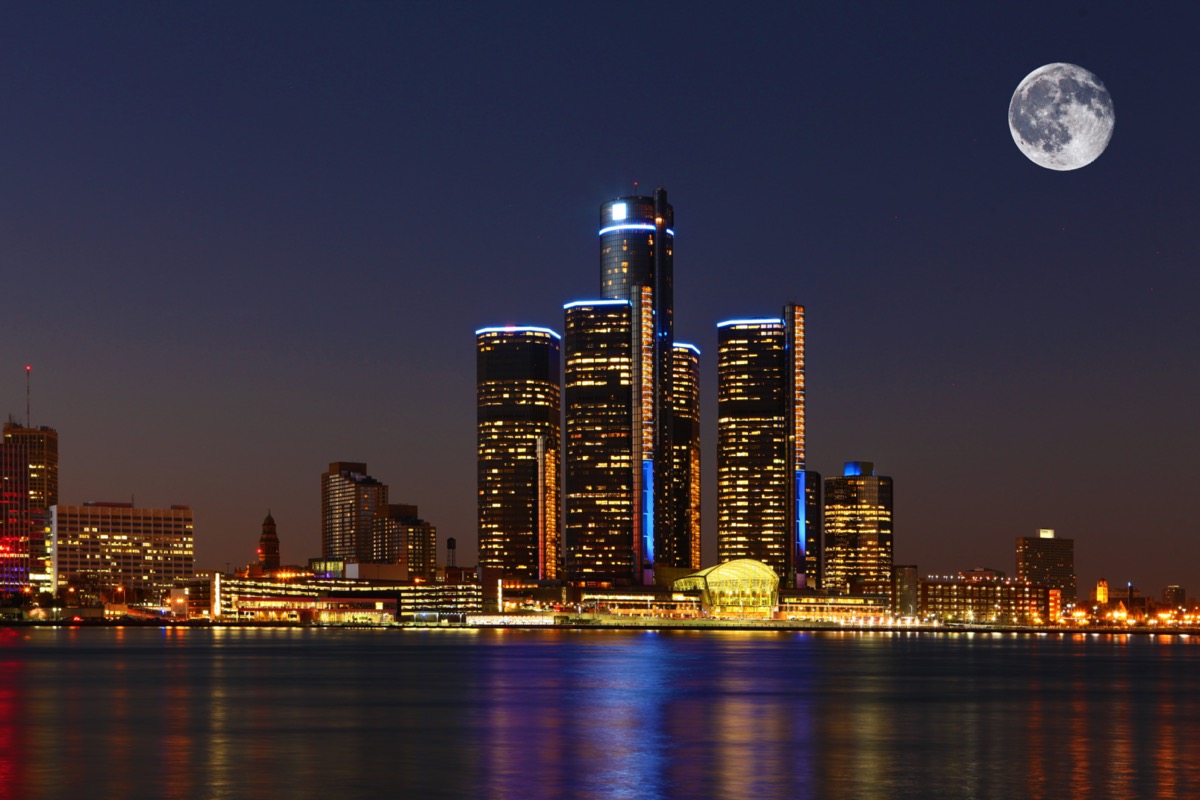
268, 713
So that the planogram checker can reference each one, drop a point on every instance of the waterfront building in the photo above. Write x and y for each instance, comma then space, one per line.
764, 503
842, 609
350, 501
985, 597
607, 533
678, 551
906, 590
742, 588
28, 489
1048, 560
268, 545
637, 256
110, 546
400, 536
1174, 597
637, 268
518, 397
308, 599
858, 531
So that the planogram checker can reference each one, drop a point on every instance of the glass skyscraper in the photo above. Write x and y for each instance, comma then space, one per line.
680, 546
605, 536
659, 505
858, 531
28, 488
518, 392
766, 503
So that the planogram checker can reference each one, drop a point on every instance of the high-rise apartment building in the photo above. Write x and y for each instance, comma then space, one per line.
766, 507
28, 488
1048, 560
519, 397
637, 276
858, 531
1174, 596
401, 537
110, 545
350, 500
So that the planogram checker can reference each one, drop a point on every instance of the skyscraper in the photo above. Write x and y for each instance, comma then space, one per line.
765, 506
858, 531
680, 545
401, 537
606, 532
350, 499
1049, 561
636, 269
28, 488
519, 395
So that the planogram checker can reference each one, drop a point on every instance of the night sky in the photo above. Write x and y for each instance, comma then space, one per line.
242, 241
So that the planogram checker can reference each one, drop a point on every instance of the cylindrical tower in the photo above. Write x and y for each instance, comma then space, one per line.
637, 248
518, 393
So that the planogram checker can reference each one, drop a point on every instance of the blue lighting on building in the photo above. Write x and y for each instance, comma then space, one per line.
801, 523
857, 468
578, 303
687, 346
648, 510
636, 226
629, 226
729, 322
517, 329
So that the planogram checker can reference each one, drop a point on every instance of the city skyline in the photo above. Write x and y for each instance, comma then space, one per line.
233, 231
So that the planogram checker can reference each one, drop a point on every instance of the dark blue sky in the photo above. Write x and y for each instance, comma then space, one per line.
242, 241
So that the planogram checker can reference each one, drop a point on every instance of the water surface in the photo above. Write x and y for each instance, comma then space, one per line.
300, 713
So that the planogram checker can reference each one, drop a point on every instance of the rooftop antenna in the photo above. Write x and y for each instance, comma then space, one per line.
635, 188
28, 369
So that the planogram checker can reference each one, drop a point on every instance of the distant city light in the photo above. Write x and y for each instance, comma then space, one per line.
517, 329
578, 303
727, 323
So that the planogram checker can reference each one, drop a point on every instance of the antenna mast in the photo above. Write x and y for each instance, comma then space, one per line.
28, 369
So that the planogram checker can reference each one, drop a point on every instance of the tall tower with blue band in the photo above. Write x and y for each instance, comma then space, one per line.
637, 269
767, 502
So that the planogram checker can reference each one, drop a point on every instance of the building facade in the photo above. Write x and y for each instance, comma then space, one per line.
858, 531
985, 598
661, 515
765, 505
142, 551
518, 402
906, 590
350, 501
606, 532
28, 489
637, 257
400, 536
1048, 560
679, 547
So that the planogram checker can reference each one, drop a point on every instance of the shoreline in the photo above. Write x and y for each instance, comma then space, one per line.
635, 624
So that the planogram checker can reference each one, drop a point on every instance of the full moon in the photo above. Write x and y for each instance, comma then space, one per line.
1061, 117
